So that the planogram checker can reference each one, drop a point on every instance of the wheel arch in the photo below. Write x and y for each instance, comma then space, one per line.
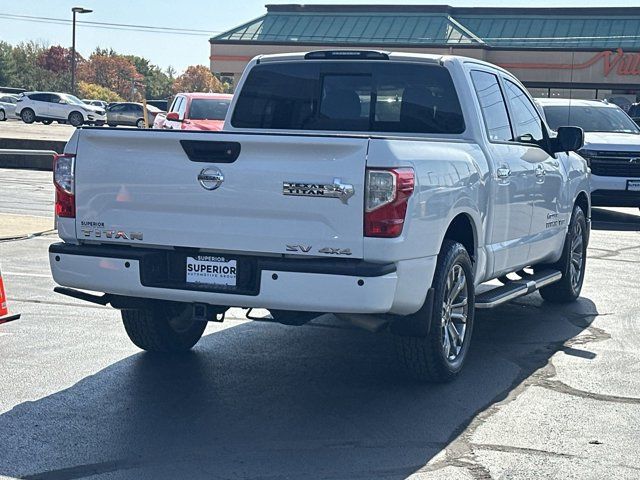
462, 229
75, 111
583, 201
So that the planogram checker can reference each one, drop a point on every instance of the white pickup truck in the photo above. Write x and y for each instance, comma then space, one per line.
385, 188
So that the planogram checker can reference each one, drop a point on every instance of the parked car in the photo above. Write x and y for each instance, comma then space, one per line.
634, 112
46, 107
309, 202
198, 111
611, 147
130, 114
96, 103
8, 106
159, 104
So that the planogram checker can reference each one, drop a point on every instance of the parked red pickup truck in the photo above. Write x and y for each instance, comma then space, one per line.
197, 111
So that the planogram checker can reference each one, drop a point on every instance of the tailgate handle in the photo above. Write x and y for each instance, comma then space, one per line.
207, 151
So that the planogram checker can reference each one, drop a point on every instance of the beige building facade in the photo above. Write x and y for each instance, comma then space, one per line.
562, 52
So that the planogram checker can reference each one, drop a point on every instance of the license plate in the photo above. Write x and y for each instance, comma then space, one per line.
633, 185
211, 270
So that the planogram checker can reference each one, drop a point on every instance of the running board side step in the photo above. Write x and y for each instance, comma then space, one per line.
517, 288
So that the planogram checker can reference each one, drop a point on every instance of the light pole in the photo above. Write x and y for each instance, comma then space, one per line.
73, 46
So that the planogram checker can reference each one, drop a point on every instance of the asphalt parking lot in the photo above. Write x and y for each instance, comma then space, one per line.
15, 128
548, 391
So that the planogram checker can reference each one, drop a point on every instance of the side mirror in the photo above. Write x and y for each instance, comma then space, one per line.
569, 139
173, 116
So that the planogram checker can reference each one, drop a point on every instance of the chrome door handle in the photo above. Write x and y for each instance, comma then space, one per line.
503, 172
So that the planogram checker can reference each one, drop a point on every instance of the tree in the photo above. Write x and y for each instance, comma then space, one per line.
93, 91
110, 70
57, 59
197, 78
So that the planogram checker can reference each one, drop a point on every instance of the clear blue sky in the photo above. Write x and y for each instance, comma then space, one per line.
179, 51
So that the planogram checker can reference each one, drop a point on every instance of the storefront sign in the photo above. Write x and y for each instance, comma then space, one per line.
623, 63
618, 62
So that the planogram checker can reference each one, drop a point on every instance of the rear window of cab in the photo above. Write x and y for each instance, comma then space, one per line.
363, 96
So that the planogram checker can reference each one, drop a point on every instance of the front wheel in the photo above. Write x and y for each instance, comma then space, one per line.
163, 327
140, 123
76, 119
3, 116
440, 355
572, 263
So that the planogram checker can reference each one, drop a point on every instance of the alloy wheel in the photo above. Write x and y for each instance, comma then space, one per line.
455, 310
576, 256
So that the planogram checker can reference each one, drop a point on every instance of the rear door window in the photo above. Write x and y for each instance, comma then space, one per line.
39, 97
378, 96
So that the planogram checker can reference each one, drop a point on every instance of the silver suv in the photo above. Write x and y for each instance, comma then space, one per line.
46, 107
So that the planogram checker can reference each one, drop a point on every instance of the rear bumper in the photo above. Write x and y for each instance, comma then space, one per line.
314, 285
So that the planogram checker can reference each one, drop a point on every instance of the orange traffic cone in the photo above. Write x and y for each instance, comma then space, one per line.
4, 311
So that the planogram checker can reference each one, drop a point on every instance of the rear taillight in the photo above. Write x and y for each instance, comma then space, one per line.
387, 196
64, 181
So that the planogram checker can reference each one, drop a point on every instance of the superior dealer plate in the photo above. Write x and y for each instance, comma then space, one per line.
211, 270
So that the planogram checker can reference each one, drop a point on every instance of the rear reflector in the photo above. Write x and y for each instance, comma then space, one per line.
387, 196
64, 181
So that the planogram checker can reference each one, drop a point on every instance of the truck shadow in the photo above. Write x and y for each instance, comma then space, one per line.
262, 400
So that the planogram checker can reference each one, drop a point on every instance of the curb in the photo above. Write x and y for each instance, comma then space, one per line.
27, 236
31, 162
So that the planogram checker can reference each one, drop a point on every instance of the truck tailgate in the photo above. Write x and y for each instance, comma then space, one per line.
142, 187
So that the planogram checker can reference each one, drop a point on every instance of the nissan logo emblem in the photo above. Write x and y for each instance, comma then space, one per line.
210, 178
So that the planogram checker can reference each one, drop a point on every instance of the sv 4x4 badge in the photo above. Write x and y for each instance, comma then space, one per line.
325, 250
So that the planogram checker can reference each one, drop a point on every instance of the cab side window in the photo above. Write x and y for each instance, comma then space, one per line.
176, 104
525, 119
494, 110
182, 108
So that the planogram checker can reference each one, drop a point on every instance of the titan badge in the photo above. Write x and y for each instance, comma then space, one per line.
337, 189
115, 234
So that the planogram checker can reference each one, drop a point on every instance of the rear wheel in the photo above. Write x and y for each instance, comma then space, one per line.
76, 119
3, 116
28, 115
440, 355
140, 123
572, 263
163, 327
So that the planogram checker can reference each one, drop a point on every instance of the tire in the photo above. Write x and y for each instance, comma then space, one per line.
47, 122
163, 328
76, 119
572, 263
428, 358
140, 123
112, 125
3, 115
27, 115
